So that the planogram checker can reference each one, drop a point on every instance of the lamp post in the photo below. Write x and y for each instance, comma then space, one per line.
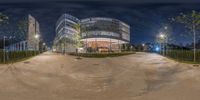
4, 44
166, 38
163, 38
4, 53
44, 44
36, 37
11, 46
12, 40
143, 46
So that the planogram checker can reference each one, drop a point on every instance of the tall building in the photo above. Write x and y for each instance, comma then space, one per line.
65, 32
98, 34
32, 36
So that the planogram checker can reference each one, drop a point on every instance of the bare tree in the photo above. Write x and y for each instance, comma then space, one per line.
23, 28
3, 19
191, 22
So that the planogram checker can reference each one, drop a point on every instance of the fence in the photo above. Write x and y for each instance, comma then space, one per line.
183, 55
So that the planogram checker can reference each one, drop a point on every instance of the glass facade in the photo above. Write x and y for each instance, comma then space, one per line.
104, 34
98, 34
65, 31
105, 27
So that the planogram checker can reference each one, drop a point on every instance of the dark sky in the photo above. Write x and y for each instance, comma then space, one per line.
145, 18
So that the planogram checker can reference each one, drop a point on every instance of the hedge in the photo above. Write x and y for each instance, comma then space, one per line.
16, 55
101, 55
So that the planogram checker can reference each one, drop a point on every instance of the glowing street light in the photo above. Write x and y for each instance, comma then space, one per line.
37, 36
162, 36
165, 27
143, 44
164, 39
157, 49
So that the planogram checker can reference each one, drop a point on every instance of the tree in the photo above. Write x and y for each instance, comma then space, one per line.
191, 22
77, 38
85, 33
23, 29
3, 19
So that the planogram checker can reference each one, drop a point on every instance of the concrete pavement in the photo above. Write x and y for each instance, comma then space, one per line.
141, 76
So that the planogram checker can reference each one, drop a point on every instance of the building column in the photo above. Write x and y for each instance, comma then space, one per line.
110, 45
86, 45
21, 46
24, 45
118, 46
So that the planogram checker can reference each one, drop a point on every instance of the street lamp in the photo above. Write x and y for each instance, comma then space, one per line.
36, 37
4, 44
4, 53
162, 36
143, 47
43, 47
165, 27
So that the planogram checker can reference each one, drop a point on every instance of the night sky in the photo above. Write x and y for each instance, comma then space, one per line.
145, 19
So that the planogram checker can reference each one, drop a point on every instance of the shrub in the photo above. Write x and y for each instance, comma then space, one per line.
101, 55
16, 55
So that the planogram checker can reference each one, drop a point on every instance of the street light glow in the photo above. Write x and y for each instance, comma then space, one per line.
162, 36
36, 36
157, 49
166, 27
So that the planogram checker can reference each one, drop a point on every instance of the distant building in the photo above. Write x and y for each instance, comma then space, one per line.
32, 38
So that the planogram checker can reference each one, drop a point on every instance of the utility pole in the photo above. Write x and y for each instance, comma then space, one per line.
193, 29
4, 53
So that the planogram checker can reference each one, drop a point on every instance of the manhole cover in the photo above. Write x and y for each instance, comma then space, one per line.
27, 62
196, 65
96, 64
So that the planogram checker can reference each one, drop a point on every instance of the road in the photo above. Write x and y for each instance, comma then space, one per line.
140, 76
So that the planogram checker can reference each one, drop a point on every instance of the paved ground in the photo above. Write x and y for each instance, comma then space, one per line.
140, 76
